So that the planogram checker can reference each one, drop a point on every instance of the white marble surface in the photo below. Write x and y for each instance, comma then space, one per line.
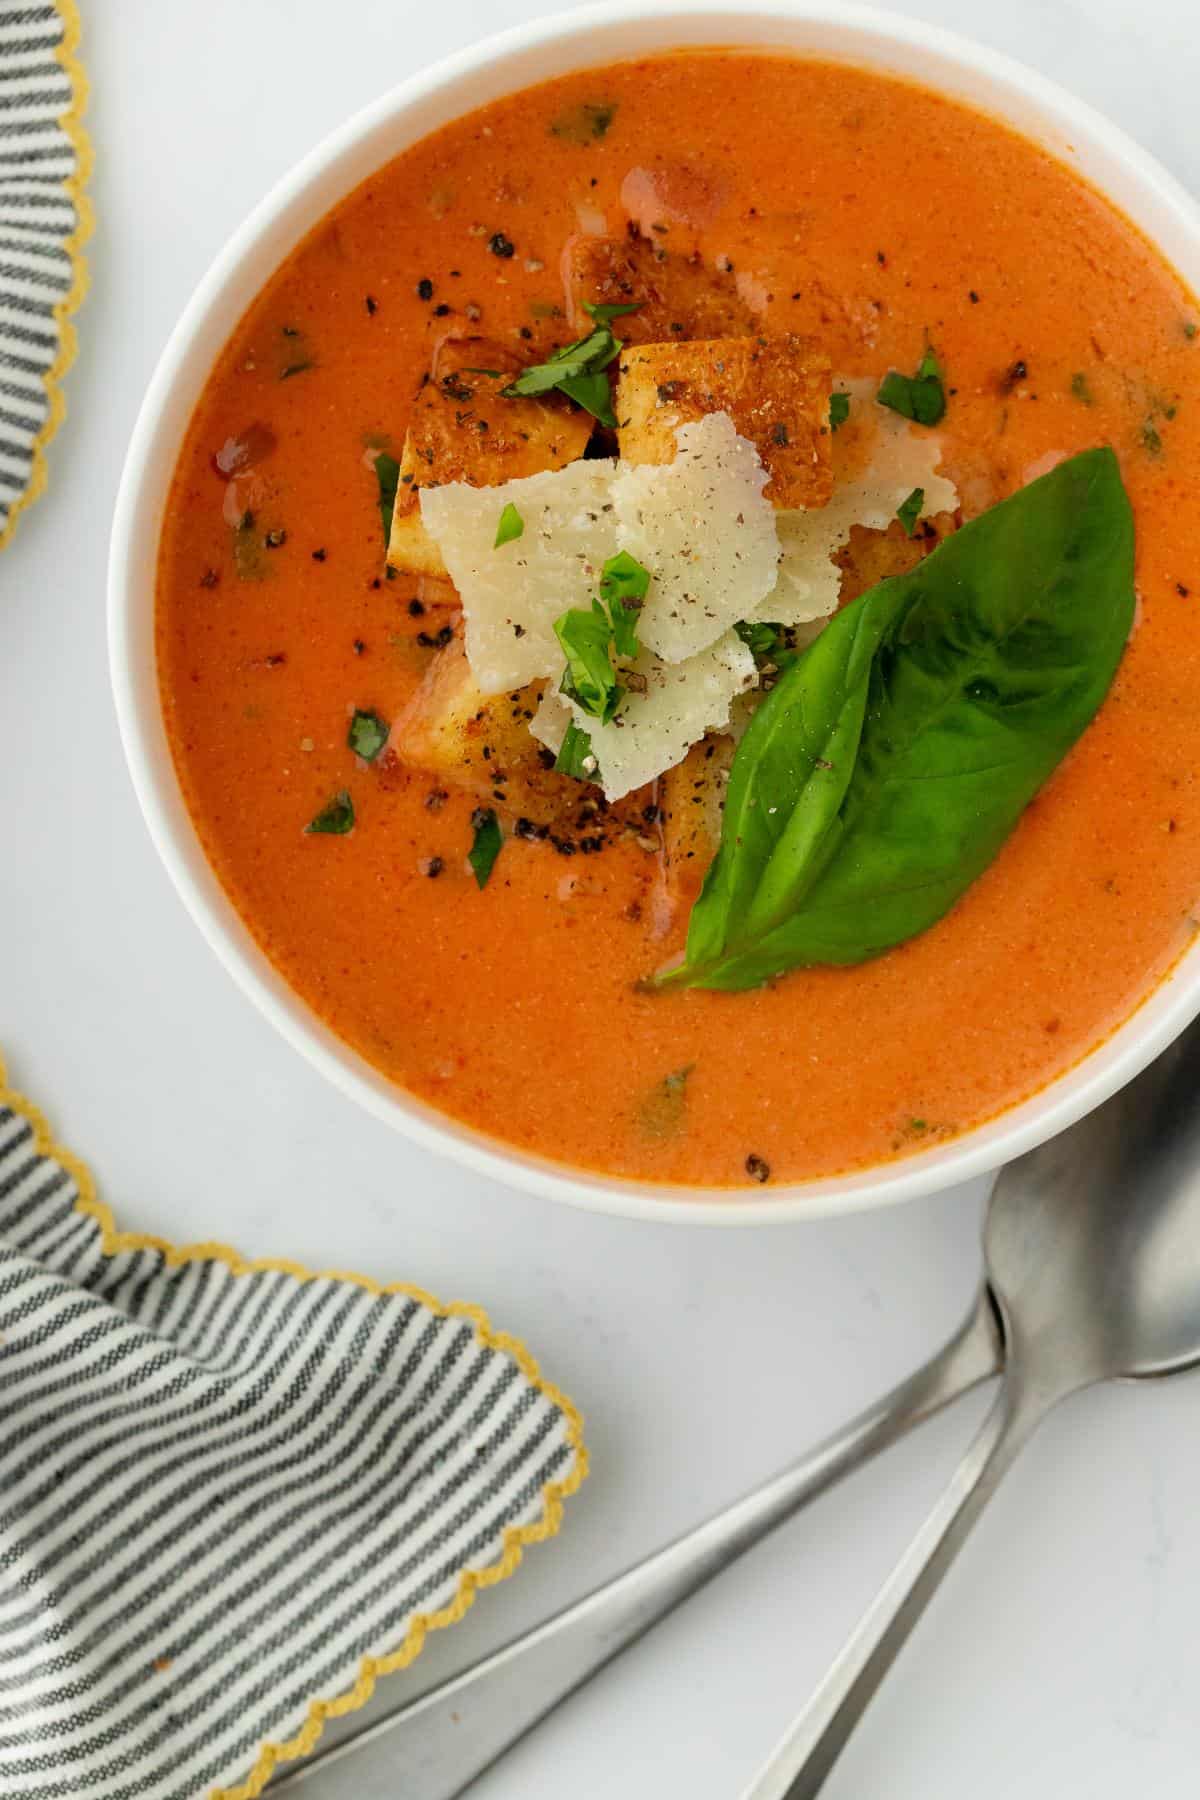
1060, 1659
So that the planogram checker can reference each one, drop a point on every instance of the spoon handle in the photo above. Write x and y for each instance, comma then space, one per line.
802, 1760
435, 1746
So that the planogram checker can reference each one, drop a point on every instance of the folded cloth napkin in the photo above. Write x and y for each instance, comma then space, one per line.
44, 220
231, 1494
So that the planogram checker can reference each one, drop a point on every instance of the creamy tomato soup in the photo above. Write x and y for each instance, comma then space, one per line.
869, 224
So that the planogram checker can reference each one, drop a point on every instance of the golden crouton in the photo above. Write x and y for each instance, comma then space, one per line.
872, 556
691, 801
481, 742
462, 429
775, 389
677, 296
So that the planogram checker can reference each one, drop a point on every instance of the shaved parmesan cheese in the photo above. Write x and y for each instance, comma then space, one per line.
900, 457
701, 526
654, 730
512, 595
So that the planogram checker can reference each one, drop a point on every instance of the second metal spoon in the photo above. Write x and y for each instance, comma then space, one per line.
1092, 1245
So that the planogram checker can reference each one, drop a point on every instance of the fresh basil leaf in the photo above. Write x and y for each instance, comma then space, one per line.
576, 756
884, 771
920, 397
510, 527
760, 638
910, 511
486, 844
839, 410
368, 734
387, 474
604, 312
590, 679
335, 818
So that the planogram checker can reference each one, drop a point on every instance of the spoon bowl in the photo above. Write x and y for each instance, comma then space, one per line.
1092, 1241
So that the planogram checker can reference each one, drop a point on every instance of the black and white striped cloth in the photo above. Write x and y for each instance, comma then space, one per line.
40, 229
229, 1493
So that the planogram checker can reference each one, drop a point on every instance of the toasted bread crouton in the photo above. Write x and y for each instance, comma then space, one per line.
463, 429
775, 389
691, 802
872, 556
676, 296
481, 742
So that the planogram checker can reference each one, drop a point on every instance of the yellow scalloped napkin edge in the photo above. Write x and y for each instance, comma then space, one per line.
227, 1479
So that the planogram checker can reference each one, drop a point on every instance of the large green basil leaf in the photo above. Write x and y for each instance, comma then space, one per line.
888, 765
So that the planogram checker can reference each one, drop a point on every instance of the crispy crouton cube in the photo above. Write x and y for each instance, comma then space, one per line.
463, 429
481, 742
775, 389
691, 802
872, 556
677, 296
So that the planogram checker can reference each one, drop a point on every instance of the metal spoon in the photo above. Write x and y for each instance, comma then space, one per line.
435, 1746
1092, 1246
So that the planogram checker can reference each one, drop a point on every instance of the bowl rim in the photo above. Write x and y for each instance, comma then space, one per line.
862, 30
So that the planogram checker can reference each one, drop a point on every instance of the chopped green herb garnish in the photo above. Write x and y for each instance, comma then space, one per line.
576, 370
590, 679
910, 511
495, 373
1190, 328
664, 1108
604, 313
623, 584
368, 734
1081, 388
575, 756
765, 642
335, 818
920, 397
839, 410
1151, 439
486, 845
510, 527
387, 474
585, 123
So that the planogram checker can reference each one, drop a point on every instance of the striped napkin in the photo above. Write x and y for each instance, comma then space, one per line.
44, 221
232, 1495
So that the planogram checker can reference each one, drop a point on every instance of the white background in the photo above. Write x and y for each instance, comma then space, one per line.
1061, 1658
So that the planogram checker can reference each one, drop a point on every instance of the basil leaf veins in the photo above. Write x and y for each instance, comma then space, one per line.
884, 771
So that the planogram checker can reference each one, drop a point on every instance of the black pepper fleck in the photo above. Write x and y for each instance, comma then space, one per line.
275, 540
440, 310
499, 245
433, 867
757, 1168
358, 646
425, 288
319, 555
372, 305
416, 609
209, 579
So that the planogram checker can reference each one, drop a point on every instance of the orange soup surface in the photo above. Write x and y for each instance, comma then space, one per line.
877, 218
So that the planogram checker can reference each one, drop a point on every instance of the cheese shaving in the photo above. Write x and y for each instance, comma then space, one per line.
511, 596
701, 526
898, 457
655, 729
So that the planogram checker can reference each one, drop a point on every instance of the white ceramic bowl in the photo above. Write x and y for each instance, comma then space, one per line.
532, 53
